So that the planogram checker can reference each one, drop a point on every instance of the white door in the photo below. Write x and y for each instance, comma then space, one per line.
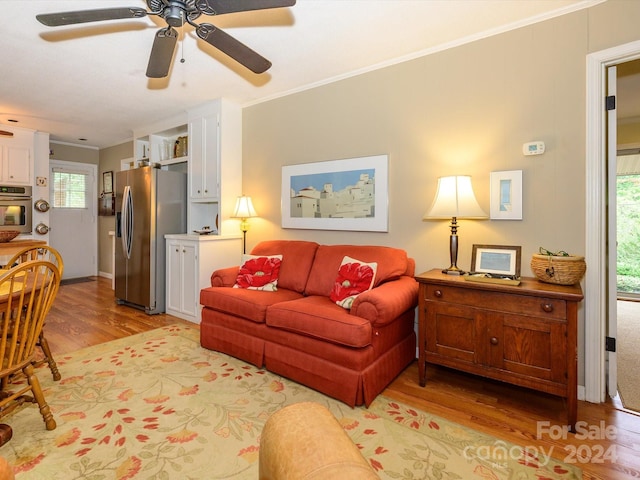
73, 217
612, 252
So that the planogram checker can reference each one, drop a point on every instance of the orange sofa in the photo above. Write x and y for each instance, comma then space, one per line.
299, 333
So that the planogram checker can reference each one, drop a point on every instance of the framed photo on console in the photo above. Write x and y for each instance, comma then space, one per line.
500, 260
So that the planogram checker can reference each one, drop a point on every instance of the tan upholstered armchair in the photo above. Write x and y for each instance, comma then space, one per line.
304, 441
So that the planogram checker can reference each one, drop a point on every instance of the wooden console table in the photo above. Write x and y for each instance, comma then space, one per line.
524, 335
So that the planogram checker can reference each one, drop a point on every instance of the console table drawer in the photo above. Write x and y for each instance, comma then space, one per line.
507, 303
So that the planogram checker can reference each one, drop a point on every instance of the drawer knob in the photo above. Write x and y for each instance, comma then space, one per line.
438, 293
547, 307
494, 341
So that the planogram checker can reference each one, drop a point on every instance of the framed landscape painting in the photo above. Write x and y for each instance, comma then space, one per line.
350, 194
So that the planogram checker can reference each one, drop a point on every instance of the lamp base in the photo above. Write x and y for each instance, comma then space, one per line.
453, 270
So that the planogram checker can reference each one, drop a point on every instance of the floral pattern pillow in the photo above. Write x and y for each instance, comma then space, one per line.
354, 277
259, 272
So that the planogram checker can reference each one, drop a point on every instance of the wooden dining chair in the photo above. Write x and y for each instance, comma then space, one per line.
41, 252
26, 294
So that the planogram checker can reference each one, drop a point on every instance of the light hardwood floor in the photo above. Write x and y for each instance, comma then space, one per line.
607, 447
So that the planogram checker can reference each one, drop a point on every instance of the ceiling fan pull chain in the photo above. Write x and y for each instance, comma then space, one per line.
182, 60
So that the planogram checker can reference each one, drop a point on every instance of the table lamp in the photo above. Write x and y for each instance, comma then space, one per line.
454, 199
244, 209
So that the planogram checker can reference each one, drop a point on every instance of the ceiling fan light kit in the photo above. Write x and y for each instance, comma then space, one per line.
176, 13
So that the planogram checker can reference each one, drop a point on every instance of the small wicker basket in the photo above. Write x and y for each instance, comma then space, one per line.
8, 235
558, 269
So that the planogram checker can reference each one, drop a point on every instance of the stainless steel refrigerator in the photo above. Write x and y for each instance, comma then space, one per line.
150, 203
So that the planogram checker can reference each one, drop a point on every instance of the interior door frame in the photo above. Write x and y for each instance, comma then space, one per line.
611, 324
596, 284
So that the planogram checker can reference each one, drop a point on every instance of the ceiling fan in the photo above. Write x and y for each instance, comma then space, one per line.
176, 13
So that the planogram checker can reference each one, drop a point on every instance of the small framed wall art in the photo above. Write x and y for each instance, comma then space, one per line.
107, 182
506, 195
499, 260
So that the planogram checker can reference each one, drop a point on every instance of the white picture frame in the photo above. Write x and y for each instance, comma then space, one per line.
496, 260
350, 194
506, 195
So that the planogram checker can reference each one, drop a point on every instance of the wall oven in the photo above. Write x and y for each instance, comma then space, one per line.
15, 208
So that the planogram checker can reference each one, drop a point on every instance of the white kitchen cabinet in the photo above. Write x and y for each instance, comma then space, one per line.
215, 165
16, 156
191, 259
212, 160
203, 162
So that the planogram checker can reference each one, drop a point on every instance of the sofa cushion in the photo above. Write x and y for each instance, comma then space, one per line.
392, 263
249, 304
319, 317
297, 258
354, 277
259, 272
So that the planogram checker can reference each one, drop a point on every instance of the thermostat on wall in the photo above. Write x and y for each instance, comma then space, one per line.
533, 148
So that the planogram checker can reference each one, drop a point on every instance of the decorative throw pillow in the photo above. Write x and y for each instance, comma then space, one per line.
354, 277
259, 272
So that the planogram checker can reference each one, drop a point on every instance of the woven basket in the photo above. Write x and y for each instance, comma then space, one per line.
8, 235
561, 270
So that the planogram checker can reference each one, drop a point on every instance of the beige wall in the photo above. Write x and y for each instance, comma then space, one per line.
628, 134
73, 153
109, 161
467, 110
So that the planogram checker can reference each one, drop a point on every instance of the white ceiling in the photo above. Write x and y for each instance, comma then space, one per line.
88, 81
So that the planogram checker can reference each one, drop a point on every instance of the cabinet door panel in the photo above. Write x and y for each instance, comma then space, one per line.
210, 159
196, 159
174, 276
189, 280
490, 348
18, 165
535, 348
451, 331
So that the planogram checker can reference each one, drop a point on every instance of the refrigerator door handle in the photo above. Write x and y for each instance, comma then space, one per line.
127, 222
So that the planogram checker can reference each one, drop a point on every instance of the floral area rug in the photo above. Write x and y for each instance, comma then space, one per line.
158, 406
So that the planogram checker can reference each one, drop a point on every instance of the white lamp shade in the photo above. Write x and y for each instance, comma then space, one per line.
454, 198
244, 208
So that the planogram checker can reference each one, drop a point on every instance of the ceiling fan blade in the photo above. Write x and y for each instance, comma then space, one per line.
162, 53
84, 16
232, 47
220, 7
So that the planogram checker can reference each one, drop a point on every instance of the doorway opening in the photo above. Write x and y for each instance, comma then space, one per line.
625, 249
628, 225
628, 277
600, 374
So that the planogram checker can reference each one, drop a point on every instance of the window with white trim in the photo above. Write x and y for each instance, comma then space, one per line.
70, 189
